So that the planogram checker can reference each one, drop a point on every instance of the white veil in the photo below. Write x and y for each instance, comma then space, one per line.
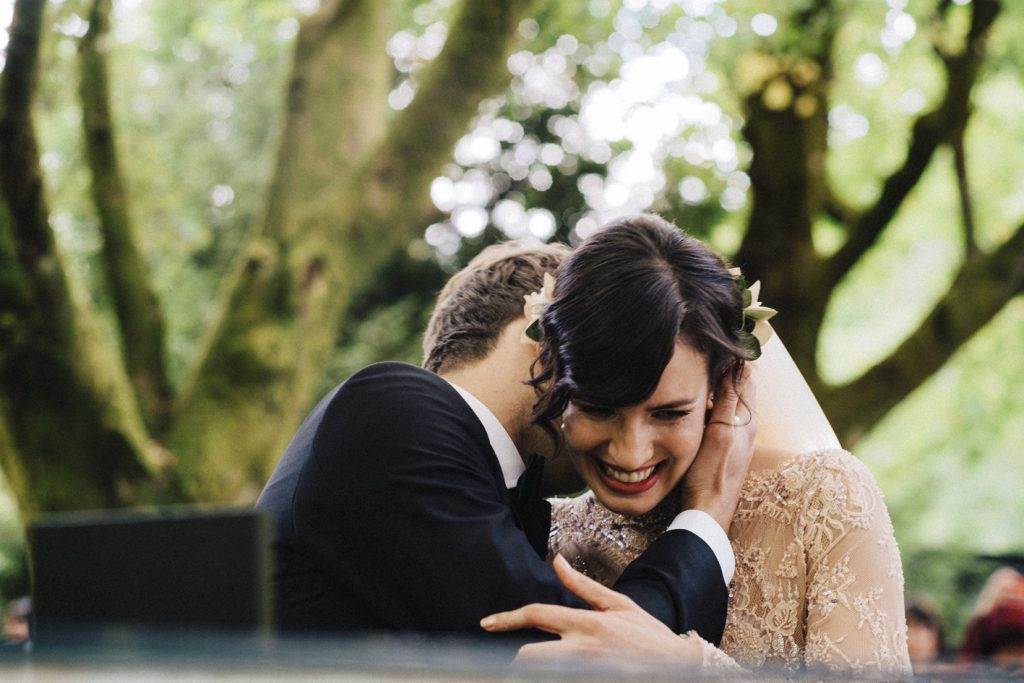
789, 417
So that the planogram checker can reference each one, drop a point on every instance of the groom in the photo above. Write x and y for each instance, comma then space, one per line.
408, 500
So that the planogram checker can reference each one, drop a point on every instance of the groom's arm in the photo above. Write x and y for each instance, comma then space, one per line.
405, 511
679, 580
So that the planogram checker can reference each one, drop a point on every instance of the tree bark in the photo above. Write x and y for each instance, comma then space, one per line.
789, 192
72, 435
939, 126
335, 214
139, 315
984, 285
786, 126
277, 324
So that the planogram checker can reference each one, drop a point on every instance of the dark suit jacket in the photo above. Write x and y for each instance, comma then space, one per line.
392, 514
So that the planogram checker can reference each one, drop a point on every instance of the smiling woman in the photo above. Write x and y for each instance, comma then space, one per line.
644, 328
633, 456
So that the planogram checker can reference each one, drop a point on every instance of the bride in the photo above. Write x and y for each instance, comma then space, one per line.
641, 306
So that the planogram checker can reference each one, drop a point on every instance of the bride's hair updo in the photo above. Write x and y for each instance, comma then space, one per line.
622, 299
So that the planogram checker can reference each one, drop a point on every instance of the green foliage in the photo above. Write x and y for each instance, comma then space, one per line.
196, 96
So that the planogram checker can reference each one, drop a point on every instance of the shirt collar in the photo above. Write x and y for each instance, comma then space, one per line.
511, 463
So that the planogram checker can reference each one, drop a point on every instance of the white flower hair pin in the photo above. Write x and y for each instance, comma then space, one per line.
535, 305
755, 314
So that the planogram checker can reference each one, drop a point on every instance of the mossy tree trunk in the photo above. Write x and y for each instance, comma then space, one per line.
786, 127
71, 434
276, 326
336, 213
349, 188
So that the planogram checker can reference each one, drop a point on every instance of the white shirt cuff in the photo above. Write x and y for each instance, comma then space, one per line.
708, 530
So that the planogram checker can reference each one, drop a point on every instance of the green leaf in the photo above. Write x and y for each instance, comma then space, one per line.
750, 343
534, 332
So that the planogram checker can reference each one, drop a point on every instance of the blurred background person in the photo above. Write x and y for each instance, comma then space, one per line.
995, 634
926, 633
16, 617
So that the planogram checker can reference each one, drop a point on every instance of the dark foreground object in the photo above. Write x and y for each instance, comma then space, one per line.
174, 567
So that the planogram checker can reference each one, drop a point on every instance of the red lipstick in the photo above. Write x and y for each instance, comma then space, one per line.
631, 488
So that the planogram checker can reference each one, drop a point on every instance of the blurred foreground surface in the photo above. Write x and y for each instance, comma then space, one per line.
199, 655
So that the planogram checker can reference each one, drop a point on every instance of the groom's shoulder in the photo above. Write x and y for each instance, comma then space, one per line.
395, 369
396, 410
394, 380
392, 393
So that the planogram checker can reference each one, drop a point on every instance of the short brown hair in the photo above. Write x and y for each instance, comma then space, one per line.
481, 299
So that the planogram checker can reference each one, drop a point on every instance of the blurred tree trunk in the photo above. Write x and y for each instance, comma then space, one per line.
277, 322
786, 127
348, 190
139, 315
71, 436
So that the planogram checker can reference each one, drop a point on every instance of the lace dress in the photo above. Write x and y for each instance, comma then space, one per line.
818, 580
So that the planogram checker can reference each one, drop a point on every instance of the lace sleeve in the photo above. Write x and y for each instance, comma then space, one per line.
854, 599
713, 659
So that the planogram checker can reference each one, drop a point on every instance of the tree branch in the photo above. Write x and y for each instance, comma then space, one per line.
963, 187
470, 67
73, 437
141, 323
931, 130
326, 233
983, 286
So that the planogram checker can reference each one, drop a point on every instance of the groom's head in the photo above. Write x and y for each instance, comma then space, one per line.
474, 339
482, 299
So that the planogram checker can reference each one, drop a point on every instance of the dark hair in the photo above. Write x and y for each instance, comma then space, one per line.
481, 299
622, 300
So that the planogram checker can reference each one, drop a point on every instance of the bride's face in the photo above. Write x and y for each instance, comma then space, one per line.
633, 457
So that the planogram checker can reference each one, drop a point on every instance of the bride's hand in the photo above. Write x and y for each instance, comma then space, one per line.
616, 632
714, 480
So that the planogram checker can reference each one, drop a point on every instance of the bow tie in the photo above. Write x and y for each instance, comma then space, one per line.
532, 512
